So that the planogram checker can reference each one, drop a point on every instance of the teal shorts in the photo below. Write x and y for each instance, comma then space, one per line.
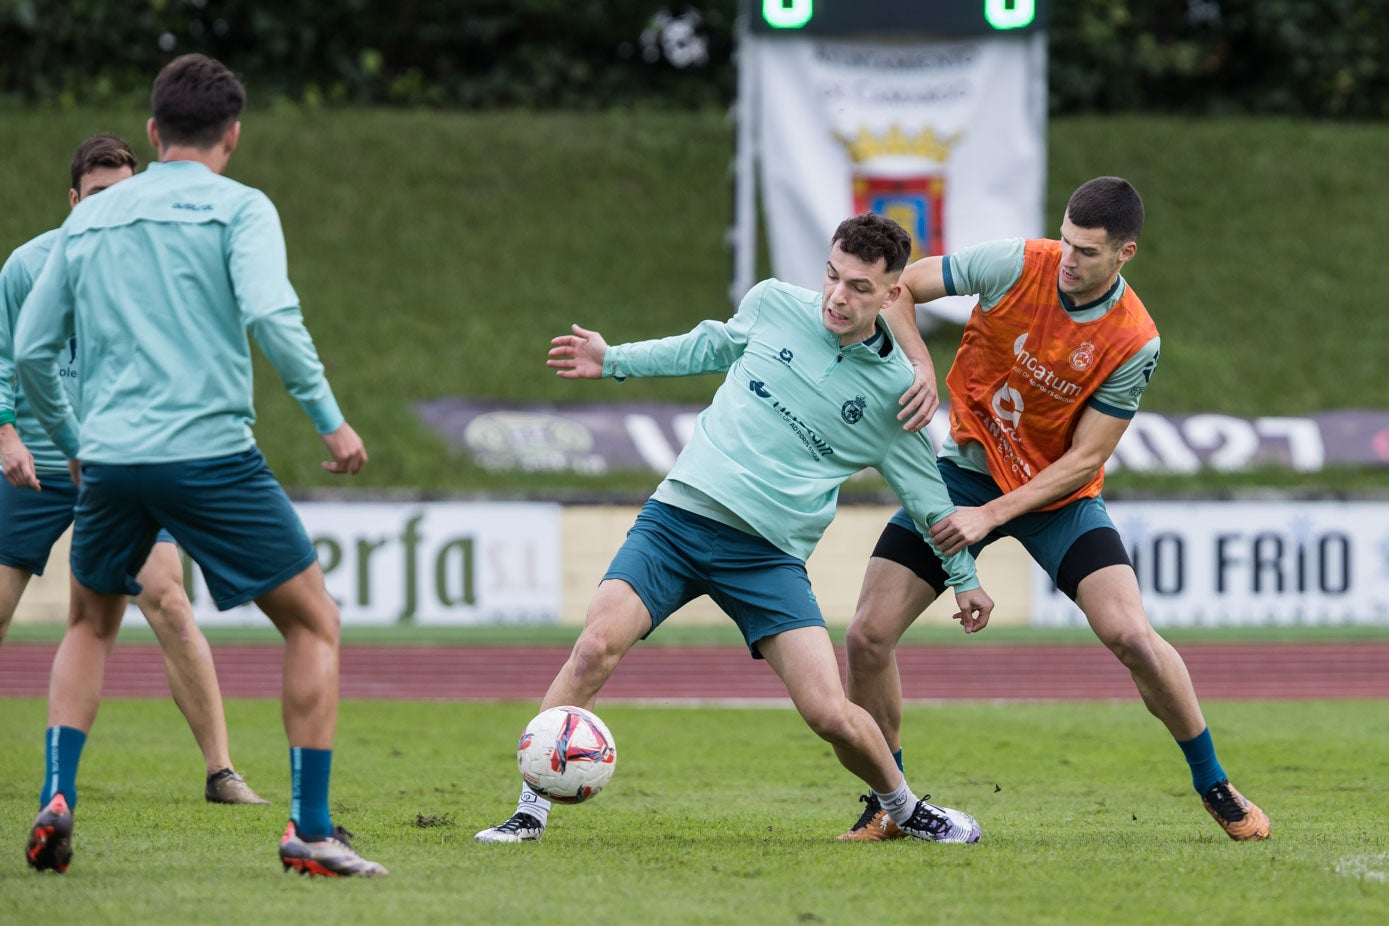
33, 521
228, 513
1070, 542
672, 556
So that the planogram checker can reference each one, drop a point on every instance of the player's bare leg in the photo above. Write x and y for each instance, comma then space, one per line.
1111, 601
74, 695
79, 666
192, 675
804, 660
615, 621
13, 581
891, 598
187, 657
307, 617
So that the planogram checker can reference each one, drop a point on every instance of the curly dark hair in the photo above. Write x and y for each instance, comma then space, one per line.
871, 238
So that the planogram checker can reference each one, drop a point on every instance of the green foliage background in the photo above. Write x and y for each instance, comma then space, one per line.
1323, 58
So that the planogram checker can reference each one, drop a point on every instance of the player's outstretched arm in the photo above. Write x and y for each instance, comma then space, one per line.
349, 453
578, 355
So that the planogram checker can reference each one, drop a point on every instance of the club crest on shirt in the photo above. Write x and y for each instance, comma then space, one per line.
899, 175
1083, 357
852, 410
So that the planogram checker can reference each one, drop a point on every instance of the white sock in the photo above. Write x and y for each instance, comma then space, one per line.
899, 804
533, 804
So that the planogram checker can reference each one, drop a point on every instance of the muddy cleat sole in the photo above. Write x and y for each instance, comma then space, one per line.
519, 827
1240, 818
874, 825
50, 839
941, 824
331, 857
228, 787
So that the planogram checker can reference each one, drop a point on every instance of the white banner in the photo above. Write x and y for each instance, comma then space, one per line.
1220, 564
426, 563
945, 137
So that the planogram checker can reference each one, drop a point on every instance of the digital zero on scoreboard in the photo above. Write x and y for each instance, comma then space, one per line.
857, 17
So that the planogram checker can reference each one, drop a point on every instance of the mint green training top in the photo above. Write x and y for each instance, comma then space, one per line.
16, 280
161, 277
795, 417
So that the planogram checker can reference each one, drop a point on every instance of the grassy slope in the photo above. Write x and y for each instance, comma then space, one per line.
436, 253
724, 816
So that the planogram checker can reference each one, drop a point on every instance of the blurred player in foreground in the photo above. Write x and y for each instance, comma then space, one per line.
1053, 363
162, 276
810, 399
38, 496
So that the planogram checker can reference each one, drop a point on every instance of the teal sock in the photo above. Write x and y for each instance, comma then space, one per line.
897, 757
62, 751
1205, 767
309, 773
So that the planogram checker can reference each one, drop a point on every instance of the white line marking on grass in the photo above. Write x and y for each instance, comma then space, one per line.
1365, 867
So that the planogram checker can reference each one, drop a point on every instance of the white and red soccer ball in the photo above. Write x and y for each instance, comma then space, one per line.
566, 754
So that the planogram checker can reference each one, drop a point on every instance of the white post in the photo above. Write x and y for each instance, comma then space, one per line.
742, 237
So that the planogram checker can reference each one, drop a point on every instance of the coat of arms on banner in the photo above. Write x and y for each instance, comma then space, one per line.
901, 176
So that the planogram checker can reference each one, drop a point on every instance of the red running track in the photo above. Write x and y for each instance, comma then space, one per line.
675, 673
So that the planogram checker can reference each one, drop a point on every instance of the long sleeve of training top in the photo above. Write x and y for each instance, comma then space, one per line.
17, 278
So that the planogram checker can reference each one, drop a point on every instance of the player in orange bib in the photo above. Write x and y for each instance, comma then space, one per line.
1053, 362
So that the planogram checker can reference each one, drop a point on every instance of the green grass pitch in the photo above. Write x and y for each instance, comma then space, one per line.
722, 815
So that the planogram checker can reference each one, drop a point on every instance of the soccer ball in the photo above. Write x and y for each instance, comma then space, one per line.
566, 754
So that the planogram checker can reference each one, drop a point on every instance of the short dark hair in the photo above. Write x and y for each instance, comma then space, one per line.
104, 150
871, 237
195, 100
1110, 203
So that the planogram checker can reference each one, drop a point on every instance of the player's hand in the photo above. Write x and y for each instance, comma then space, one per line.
975, 607
349, 453
961, 528
578, 355
16, 461
75, 471
920, 401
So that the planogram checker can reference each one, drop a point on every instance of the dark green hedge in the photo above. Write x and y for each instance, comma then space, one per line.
460, 53
1326, 58
1292, 57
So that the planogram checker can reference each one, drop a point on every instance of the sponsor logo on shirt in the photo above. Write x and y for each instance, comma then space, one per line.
193, 207
817, 446
785, 356
1041, 375
1003, 426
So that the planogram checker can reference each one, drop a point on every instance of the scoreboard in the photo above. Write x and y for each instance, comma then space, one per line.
907, 17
